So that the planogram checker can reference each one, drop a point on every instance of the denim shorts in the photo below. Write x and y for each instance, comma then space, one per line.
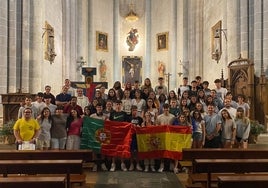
58, 143
197, 136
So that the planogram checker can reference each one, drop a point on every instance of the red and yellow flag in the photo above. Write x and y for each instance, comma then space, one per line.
165, 141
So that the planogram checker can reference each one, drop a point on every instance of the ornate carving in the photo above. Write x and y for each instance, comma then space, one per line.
132, 39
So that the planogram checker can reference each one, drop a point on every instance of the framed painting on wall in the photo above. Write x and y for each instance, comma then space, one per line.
216, 45
131, 69
162, 41
101, 41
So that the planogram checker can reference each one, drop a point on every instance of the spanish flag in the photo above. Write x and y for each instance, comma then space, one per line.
109, 138
165, 141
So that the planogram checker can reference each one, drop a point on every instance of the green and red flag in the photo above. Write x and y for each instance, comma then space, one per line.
109, 138
165, 141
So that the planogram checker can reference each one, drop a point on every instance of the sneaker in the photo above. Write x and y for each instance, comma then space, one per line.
103, 167
176, 170
152, 169
138, 167
131, 168
161, 169
146, 169
123, 167
95, 167
184, 169
112, 169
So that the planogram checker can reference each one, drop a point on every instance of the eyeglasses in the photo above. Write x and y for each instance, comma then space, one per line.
27, 112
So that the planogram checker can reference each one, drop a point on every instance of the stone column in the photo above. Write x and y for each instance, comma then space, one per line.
148, 43
116, 59
185, 56
258, 36
173, 47
82, 34
265, 39
244, 32
91, 35
231, 47
32, 43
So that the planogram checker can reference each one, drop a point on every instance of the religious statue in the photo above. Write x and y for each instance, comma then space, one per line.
49, 49
161, 69
102, 70
132, 39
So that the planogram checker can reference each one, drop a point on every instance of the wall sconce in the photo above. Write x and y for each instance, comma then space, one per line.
131, 16
180, 74
80, 63
216, 45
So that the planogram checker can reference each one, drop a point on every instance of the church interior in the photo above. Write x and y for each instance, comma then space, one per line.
45, 42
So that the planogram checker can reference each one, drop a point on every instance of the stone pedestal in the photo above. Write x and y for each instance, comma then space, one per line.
11, 104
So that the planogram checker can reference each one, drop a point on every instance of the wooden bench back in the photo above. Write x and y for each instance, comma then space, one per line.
32, 181
223, 153
243, 181
230, 165
85, 155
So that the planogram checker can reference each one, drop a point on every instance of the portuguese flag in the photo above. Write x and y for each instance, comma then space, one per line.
165, 141
109, 138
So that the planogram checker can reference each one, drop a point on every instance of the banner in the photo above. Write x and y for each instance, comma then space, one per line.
165, 141
109, 138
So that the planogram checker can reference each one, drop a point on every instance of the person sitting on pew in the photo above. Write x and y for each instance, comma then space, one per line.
26, 128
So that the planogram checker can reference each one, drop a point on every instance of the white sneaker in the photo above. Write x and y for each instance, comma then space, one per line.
95, 168
161, 168
112, 169
131, 168
103, 167
184, 169
138, 167
146, 168
176, 170
152, 169
123, 167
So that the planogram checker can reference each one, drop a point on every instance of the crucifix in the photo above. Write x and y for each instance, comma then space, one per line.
167, 76
89, 86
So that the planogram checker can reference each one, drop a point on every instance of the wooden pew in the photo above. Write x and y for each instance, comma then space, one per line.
223, 153
41, 167
188, 155
85, 155
32, 181
245, 180
228, 166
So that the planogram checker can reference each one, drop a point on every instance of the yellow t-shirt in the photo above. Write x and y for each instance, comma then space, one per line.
26, 128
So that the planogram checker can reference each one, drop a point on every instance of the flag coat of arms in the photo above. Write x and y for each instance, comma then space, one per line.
165, 141
109, 138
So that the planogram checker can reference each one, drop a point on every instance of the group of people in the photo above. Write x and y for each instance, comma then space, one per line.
215, 118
